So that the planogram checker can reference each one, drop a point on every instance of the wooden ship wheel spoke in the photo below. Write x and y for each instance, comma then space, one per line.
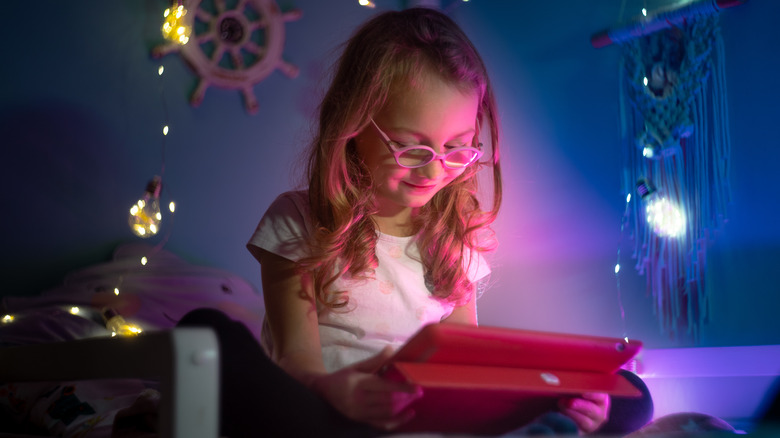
234, 46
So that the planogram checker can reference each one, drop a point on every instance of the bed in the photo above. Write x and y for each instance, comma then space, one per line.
62, 373
180, 356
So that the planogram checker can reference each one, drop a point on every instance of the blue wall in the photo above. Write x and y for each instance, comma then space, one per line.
82, 108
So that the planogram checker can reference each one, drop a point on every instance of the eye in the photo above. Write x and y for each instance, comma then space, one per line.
406, 144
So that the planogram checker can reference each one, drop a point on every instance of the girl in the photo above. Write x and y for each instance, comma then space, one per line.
389, 235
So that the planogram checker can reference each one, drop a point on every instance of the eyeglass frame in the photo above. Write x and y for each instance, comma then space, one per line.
396, 151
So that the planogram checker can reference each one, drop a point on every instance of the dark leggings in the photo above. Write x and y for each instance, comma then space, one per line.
259, 399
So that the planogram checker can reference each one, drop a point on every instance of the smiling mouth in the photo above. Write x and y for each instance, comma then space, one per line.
420, 187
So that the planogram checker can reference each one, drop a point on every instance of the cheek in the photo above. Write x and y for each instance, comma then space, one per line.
389, 174
452, 175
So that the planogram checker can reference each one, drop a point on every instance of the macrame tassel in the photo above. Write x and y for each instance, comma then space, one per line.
674, 127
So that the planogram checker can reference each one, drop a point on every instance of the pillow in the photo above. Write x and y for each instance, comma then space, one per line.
155, 295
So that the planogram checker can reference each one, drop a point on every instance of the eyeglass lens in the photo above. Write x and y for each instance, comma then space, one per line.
419, 157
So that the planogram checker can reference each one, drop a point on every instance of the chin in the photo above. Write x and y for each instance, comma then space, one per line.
419, 202
408, 200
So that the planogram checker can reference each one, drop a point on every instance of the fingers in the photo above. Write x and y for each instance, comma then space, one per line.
373, 363
371, 399
389, 398
391, 402
596, 397
379, 384
386, 403
589, 411
364, 396
395, 422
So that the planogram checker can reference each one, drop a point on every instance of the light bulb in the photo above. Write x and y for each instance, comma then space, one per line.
117, 324
145, 216
663, 216
175, 27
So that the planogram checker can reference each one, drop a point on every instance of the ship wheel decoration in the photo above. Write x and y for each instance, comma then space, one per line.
233, 47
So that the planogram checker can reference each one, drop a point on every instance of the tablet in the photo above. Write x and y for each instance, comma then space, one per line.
515, 348
491, 380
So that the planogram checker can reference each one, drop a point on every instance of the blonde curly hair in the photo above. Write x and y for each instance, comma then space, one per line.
393, 48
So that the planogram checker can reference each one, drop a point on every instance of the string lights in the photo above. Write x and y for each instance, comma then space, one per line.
117, 325
663, 216
176, 27
145, 214
113, 321
623, 222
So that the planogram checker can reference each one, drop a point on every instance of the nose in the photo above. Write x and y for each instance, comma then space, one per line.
432, 170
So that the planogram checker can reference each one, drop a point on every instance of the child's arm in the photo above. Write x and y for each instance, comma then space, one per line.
356, 391
467, 313
292, 317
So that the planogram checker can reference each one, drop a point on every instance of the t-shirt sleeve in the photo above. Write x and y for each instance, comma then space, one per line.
476, 265
285, 228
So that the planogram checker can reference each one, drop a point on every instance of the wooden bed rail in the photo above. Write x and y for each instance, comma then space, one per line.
184, 360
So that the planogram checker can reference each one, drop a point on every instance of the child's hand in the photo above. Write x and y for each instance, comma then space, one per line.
361, 395
588, 411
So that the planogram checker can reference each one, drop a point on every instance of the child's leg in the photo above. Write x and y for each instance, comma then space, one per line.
257, 397
628, 414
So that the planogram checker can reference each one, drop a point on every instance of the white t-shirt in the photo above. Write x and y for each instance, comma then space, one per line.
385, 309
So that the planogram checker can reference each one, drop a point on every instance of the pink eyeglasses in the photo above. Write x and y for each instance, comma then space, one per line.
413, 156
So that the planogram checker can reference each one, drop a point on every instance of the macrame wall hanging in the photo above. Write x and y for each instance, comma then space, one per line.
675, 139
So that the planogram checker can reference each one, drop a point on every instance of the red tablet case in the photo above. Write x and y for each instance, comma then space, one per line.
489, 380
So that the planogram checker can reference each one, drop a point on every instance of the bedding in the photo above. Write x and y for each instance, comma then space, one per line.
153, 296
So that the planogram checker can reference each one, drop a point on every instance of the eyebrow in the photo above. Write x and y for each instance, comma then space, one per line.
401, 130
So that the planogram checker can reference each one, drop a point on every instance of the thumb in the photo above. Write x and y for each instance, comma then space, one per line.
373, 363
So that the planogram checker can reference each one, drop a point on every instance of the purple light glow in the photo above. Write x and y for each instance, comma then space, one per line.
730, 383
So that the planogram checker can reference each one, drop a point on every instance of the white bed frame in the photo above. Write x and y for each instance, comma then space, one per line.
184, 360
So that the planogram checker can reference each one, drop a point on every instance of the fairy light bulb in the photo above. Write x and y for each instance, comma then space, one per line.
662, 215
7, 319
145, 216
175, 27
117, 325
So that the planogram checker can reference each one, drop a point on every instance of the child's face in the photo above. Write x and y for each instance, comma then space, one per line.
432, 113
